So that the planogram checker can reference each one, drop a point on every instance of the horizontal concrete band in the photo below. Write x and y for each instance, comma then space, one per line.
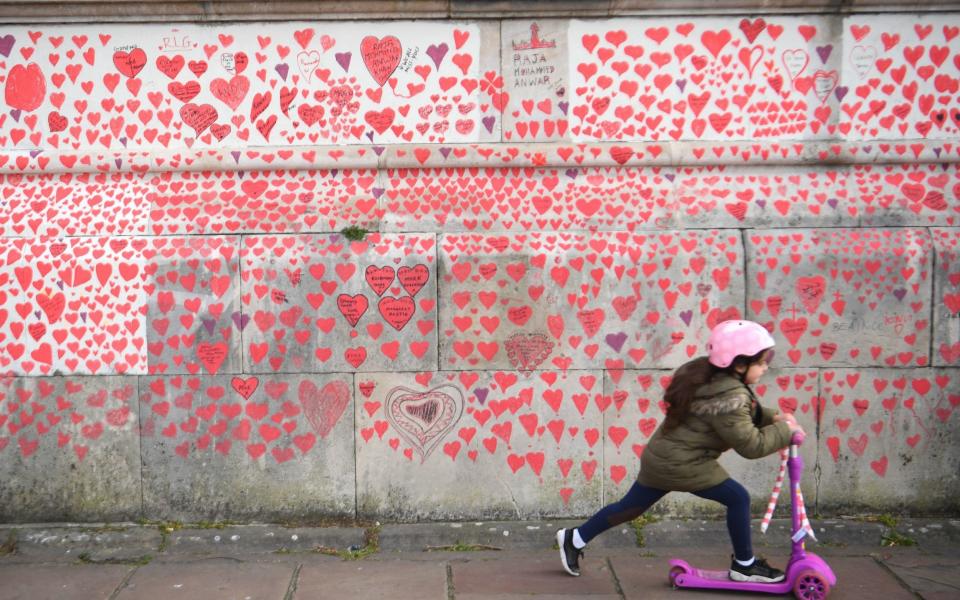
605, 154
230, 10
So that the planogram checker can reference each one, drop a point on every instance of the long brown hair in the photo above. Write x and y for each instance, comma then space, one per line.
690, 377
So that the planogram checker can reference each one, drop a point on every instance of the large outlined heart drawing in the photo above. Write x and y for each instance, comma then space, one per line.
424, 418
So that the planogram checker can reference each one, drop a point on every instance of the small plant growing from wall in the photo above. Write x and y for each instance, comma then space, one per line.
354, 233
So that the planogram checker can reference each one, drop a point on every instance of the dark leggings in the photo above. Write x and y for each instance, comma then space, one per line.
640, 497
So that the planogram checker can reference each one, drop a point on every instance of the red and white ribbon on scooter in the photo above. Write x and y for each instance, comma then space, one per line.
805, 528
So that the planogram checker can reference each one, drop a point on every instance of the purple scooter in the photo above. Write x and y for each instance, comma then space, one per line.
807, 575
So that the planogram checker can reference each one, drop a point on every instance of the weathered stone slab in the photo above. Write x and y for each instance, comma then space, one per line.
580, 301
253, 448
69, 449
539, 575
72, 205
194, 318
946, 297
225, 202
388, 90
514, 199
933, 577
534, 67
637, 410
213, 578
403, 580
882, 49
838, 297
775, 196
325, 304
671, 79
60, 581
95, 543
478, 445
897, 195
73, 305
889, 439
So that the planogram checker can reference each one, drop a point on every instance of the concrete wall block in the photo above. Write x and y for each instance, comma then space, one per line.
71, 204
575, 301
479, 445
226, 202
73, 305
712, 79
536, 74
918, 195
638, 409
321, 303
888, 440
247, 447
946, 297
895, 69
514, 199
753, 198
854, 297
178, 90
194, 317
69, 449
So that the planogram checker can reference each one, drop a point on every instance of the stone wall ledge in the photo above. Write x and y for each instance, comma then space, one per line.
40, 11
535, 155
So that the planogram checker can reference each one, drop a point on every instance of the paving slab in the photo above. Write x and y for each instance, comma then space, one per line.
208, 580
932, 577
538, 575
365, 580
60, 582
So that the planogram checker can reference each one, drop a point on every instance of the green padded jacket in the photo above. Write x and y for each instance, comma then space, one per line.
724, 414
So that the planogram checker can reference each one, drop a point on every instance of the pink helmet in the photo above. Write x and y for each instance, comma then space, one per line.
731, 339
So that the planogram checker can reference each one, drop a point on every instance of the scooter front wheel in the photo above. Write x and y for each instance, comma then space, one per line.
674, 573
811, 585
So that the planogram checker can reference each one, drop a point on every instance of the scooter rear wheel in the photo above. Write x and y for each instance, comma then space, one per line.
674, 573
811, 585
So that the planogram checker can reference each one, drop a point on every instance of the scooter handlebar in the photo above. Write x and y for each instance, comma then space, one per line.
797, 438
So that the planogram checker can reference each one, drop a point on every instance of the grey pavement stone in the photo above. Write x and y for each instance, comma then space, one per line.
931, 577
368, 580
209, 579
60, 582
537, 575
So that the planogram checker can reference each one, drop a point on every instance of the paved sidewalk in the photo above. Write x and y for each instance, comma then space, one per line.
502, 561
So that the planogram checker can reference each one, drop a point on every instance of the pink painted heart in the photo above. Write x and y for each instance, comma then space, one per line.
323, 407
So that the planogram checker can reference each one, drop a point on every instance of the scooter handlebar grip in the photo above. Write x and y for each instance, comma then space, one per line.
797, 438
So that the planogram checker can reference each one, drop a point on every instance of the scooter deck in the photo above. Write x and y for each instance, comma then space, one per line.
720, 580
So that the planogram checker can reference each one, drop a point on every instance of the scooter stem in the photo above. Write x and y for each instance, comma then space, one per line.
795, 466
